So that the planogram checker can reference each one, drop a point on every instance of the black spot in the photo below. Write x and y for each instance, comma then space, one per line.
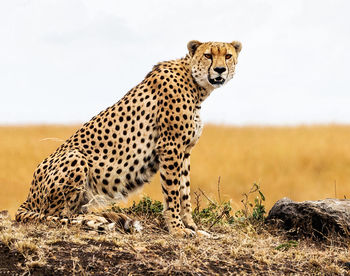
138, 181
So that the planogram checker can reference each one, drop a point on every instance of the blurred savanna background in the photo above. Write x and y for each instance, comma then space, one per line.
303, 163
283, 122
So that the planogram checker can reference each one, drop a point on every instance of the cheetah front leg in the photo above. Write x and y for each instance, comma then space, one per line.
185, 198
170, 172
186, 208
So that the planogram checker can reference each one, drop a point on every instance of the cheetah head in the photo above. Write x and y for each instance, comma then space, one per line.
213, 63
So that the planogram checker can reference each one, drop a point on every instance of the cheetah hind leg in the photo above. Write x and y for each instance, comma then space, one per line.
108, 222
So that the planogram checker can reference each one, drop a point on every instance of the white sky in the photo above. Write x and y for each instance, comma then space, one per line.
64, 61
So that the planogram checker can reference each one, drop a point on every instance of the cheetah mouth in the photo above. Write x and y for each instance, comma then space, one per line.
218, 80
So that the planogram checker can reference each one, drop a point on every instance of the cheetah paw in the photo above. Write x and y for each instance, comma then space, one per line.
189, 233
201, 233
183, 232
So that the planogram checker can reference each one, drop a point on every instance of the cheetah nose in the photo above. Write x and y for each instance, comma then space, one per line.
220, 69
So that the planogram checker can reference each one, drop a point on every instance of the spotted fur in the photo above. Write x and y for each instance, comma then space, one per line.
153, 127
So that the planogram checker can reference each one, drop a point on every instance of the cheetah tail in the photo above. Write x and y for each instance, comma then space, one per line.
105, 222
25, 215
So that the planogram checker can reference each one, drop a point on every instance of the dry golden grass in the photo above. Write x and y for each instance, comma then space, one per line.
303, 163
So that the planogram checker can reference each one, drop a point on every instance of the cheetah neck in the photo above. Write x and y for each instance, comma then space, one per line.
202, 91
183, 66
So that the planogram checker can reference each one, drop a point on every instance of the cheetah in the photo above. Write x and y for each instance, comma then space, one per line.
152, 128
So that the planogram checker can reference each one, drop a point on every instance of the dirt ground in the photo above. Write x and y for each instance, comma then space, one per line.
238, 249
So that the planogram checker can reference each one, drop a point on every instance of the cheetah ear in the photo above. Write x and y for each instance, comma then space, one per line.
237, 45
192, 46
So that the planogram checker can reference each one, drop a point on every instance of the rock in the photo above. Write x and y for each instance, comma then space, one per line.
312, 218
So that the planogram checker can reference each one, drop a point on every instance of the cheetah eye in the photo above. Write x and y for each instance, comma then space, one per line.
228, 56
208, 56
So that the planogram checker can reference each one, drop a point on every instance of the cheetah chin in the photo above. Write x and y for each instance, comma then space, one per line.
217, 81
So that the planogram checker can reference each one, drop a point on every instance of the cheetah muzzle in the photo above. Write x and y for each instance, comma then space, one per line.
218, 80
152, 128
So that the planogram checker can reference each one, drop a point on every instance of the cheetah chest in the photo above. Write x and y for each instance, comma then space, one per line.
198, 127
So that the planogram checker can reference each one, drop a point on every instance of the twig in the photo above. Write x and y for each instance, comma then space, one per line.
254, 188
245, 201
52, 139
197, 200
219, 190
206, 196
245, 205
224, 212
